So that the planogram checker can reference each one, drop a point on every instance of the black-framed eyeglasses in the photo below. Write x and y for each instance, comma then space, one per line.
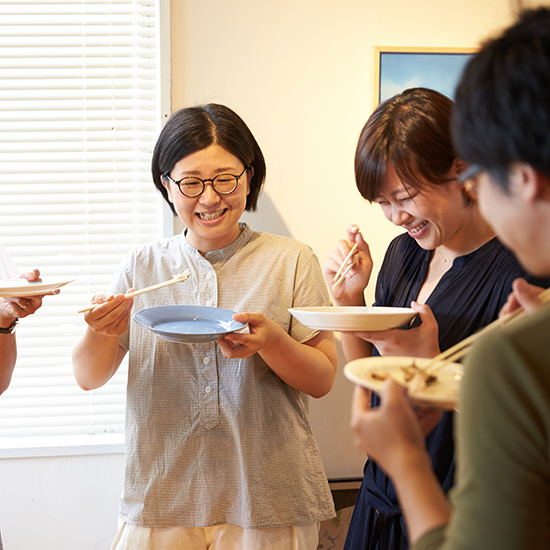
467, 178
223, 184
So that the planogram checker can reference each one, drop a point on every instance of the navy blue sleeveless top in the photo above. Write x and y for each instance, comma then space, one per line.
468, 297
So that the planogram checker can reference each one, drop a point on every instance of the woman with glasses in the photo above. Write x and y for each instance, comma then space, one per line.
219, 450
447, 265
502, 496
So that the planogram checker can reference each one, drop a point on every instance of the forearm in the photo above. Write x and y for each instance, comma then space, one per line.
310, 368
355, 347
96, 358
8, 356
422, 500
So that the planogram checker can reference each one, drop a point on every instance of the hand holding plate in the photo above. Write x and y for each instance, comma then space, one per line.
421, 341
391, 433
241, 345
18, 307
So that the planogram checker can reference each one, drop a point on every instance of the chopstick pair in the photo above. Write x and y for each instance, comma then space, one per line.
343, 270
459, 350
177, 279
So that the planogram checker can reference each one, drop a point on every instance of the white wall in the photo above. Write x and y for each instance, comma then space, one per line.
60, 502
300, 73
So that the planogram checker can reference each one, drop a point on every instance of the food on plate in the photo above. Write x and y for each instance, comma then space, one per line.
414, 377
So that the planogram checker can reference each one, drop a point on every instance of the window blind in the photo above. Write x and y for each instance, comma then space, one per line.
79, 116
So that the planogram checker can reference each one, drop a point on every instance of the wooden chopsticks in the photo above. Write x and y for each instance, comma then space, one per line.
459, 350
343, 270
177, 279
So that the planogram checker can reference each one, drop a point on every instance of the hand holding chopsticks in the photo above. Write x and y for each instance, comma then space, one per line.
345, 267
456, 352
177, 279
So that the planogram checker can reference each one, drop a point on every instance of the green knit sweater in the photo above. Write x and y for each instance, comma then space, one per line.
501, 499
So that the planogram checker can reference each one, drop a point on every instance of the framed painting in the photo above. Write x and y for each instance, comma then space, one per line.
399, 68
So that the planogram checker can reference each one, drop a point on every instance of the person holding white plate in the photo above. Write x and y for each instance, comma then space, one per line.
11, 310
502, 496
447, 265
219, 450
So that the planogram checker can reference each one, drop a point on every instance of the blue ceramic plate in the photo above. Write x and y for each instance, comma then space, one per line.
188, 324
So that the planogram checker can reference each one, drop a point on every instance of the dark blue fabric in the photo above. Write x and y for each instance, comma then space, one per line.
468, 297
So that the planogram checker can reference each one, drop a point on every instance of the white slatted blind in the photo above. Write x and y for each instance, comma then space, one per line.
79, 112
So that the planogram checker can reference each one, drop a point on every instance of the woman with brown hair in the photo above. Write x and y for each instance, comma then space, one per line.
447, 265
502, 495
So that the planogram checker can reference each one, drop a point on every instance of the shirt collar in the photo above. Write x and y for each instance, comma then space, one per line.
225, 253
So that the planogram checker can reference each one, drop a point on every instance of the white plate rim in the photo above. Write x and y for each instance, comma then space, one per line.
341, 318
27, 288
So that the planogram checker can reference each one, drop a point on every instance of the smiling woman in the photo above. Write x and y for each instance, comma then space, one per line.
212, 215
447, 266
237, 405
501, 498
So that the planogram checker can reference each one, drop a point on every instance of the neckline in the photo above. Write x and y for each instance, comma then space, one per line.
226, 252
463, 258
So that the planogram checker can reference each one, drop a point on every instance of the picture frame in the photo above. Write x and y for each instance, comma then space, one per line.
399, 68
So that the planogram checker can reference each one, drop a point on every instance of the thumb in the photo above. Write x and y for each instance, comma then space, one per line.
527, 295
245, 317
424, 310
33, 275
392, 391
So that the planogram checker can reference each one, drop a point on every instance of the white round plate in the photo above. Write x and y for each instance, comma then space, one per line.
188, 324
21, 288
353, 317
442, 393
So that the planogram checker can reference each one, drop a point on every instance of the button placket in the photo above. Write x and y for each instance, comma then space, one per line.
208, 389
208, 381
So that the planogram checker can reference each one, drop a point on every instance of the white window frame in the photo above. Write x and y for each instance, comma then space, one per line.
98, 444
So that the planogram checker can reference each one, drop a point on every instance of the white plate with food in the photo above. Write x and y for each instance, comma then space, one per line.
21, 288
353, 317
440, 391
189, 324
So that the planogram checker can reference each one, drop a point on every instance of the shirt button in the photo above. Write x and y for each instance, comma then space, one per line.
208, 276
209, 303
206, 360
207, 389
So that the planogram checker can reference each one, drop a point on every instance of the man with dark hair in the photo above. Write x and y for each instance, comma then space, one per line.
502, 495
502, 112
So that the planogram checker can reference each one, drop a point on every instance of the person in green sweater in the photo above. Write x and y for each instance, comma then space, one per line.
502, 495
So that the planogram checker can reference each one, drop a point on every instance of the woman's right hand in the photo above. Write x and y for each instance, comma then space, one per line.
111, 315
351, 290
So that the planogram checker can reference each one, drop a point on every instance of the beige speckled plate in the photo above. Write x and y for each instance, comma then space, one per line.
442, 393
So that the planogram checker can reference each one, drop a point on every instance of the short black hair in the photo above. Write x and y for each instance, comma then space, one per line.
195, 128
502, 112
411, 132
